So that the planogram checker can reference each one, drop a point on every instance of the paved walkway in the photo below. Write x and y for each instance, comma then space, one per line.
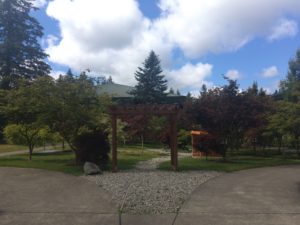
20, 152
266, 196
39, 197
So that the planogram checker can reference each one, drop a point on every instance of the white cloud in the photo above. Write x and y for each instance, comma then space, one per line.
285, 28
113, 37
107, 39
190, 76
39, 3
199, 27
270, 72
233, 74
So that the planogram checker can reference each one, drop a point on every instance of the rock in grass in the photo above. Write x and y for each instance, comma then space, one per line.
90, 168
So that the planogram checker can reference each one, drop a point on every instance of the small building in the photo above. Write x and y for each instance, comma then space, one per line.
121, 93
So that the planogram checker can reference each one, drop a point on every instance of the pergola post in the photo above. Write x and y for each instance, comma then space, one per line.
173, 133
114, 142
175, 144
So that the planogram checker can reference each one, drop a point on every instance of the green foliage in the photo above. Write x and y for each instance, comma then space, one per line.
3, 117
290, 87
25, 134
157, 125
69, 106
286, 121
74, 107
184, 139
151, 85
21, 55
23, 110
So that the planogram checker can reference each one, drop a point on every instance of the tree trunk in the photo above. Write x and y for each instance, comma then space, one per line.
77, 157
142, 139
297, 147
279, 145
30, 153
254, 146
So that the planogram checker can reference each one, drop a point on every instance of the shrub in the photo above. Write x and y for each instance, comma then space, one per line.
184, 139
93, 147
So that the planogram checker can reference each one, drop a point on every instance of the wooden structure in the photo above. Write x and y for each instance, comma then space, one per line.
170, 110
203, 136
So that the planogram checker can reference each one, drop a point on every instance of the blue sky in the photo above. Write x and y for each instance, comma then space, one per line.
198, 41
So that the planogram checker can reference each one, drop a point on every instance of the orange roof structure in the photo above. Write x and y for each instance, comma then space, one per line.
199, 132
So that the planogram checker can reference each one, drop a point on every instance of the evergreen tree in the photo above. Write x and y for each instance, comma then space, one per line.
290, 87
70, 73
203, 90
171, 91
109, 80
253, 90
178, 92
21, 55
151, 85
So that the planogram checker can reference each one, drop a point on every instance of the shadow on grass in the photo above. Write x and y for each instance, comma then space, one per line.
230, 165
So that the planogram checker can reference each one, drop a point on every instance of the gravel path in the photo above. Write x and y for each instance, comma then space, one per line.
151, 192
151, 164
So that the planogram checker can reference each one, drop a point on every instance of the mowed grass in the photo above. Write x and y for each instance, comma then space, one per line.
11, 148
64, 161
230, 165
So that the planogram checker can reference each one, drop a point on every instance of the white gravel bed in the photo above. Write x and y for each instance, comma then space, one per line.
151, 192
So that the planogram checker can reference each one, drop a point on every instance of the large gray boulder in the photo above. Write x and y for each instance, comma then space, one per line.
90, 168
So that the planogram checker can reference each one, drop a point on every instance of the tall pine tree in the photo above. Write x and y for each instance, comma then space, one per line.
21, 55
151, 85
290, 87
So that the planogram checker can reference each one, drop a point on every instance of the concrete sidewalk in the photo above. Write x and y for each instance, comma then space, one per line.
266, 196
31, 196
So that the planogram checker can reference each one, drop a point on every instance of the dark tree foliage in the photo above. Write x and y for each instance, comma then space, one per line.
228, 114
151, 85
290, 87
93, 147
21, 55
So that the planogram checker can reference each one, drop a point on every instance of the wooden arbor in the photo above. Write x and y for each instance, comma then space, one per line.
170, 110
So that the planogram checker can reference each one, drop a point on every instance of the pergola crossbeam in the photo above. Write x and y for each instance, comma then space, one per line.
170, 110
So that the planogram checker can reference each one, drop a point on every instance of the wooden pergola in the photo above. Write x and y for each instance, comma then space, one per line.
169, 110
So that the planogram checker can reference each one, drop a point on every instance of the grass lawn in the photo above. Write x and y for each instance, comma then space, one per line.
232, 164
129, 157
11, 148
64, 161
